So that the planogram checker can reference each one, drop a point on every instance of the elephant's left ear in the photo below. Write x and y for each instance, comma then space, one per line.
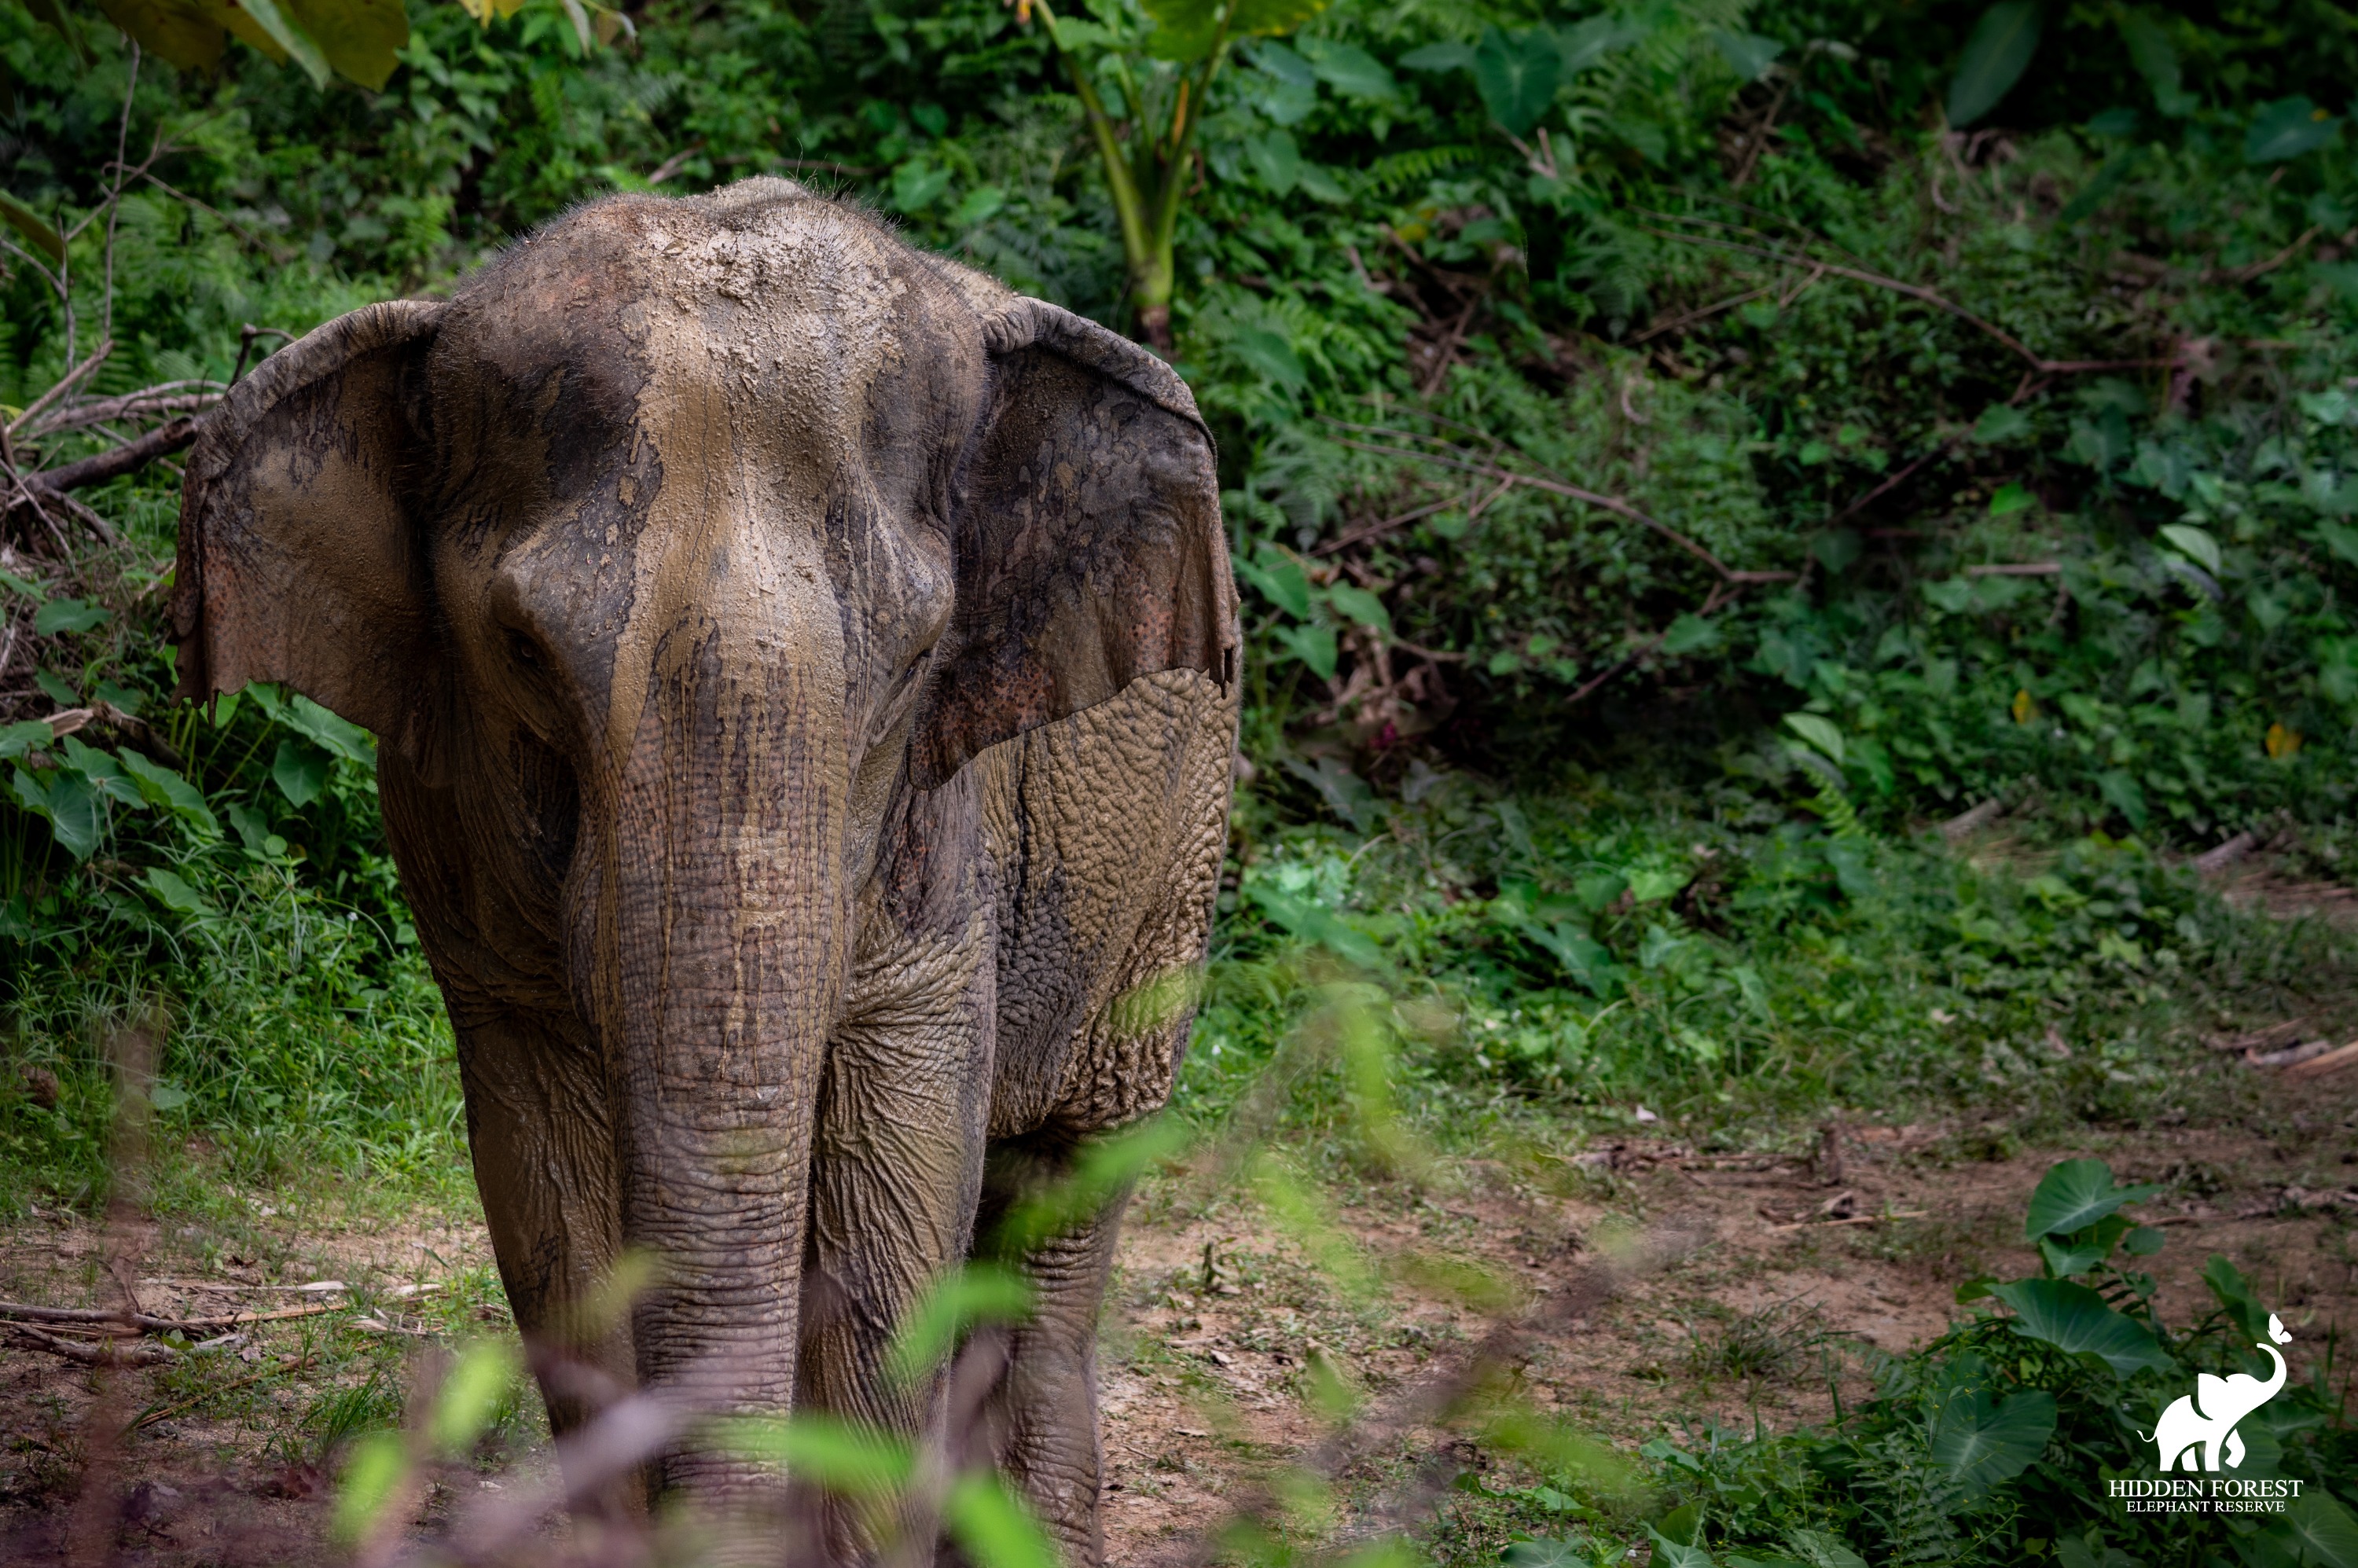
1086, 535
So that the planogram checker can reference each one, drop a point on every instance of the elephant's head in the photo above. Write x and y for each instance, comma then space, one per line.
669, 553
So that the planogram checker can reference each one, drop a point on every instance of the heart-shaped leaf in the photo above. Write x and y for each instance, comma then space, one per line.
2075, 1318
2287, 128
1517, 75
1748, 55
2196, 543
2320, 1529
67, 615
1995, 56
1819, 731
300, 772
2074, 1195
1981, 1440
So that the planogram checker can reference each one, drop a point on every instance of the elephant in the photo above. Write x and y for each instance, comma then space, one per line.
806, 679
2207, 1418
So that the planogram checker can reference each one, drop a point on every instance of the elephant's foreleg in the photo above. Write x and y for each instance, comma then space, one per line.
544, 1154
894, 1181
1044, 1414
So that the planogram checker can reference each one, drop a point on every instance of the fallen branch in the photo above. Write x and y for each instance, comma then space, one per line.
2017, 568
149, 402
103, 1352
285, 1363
1972, 820
124, 459
146, 1322
2331, 1061
2219, 858
1855, 1220
62, 385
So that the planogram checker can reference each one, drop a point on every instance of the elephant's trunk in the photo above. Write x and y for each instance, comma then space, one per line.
717, 931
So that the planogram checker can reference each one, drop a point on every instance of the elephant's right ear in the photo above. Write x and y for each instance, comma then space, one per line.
298, 561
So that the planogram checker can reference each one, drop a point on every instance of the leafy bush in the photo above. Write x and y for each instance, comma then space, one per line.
1995, 1443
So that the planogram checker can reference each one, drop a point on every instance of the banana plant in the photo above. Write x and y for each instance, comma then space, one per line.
357, 40
1143, 71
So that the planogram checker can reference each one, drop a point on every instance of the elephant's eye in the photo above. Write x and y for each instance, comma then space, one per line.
525, 651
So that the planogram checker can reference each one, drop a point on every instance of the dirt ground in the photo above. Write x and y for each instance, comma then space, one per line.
1657, 1285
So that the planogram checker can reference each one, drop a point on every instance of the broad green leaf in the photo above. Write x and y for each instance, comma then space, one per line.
2065, 1261
361, 38
1819, 1549
1439, 57
1350, 70
182, 34
345, 738
1075, 33
1280, 581
1981, 1440
1584, 44
976, 1293
2157, 61
917, 182
24, 735
1588, 961
2320, 1529
2000, 423
371, 1478
471, 1395
1546, 1554
1995, 56
993, 1527
35, 230
291, 37
825, 1450
2073, 1318
71, 805
161, 786
1314, 923
2285, 129
122, 698
1314, 646
1691, 634
1818, 730
2236, 1294
1270, 18
175, 894
1516, 75
1670, 1553
1748, 55
2342, 541
2074, 1195
978, 206
168, 1097
1361, 606
69, 615
2194, 543
300, 772
1276, 163
2011, 499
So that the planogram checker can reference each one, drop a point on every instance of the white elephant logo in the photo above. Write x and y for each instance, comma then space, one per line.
2206, 1419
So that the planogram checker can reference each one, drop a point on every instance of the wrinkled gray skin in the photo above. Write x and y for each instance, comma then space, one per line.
805, 674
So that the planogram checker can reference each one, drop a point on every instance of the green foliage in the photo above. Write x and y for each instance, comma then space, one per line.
1992, 1445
